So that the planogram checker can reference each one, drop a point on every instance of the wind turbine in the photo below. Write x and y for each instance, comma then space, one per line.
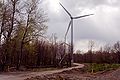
71, 25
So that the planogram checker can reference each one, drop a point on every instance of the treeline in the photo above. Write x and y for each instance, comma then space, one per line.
38, 54
22, 41
108, 54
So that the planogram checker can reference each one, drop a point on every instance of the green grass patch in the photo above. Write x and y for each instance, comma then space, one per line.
93, 67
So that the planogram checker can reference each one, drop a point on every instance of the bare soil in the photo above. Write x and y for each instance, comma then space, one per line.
42, 74
80, 74
74, 73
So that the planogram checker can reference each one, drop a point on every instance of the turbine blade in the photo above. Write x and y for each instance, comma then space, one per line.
68, 28
65, 10
82, 16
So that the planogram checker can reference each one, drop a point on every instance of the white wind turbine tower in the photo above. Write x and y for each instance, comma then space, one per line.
71, 25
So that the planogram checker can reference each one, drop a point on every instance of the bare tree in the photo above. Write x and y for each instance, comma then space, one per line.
35, 26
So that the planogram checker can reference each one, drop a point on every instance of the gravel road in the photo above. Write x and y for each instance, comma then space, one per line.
24, 75
73, 73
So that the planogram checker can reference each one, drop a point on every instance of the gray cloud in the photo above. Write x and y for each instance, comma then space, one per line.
103, 26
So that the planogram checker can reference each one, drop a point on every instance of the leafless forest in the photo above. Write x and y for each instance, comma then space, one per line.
22, 40
107, 54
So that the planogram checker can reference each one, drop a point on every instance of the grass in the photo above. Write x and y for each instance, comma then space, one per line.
93, 67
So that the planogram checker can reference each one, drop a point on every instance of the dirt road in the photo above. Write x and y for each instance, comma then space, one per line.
24, 75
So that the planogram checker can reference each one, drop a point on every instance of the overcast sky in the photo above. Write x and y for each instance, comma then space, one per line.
103, 27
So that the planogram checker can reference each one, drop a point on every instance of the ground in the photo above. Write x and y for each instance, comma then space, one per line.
74, 73
24, 75
79, 74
